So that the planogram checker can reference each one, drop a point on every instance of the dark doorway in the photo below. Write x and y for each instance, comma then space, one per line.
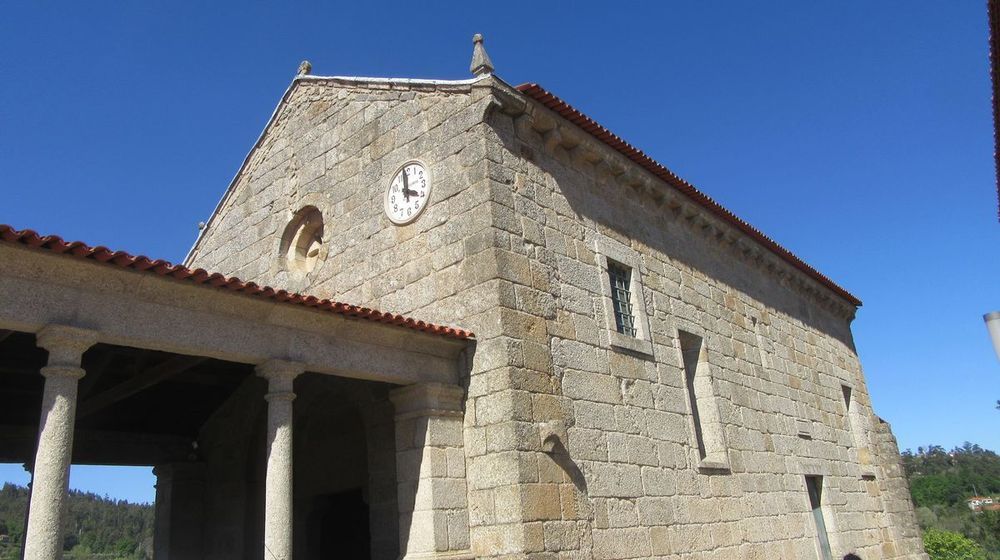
337, 527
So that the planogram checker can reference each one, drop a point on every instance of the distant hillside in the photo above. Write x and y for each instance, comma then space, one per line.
941, 481
96, 527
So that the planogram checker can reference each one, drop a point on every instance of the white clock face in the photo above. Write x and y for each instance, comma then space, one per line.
408, 193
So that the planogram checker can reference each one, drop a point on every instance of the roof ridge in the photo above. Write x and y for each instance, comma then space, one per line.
391, 81
200, 276
601, 133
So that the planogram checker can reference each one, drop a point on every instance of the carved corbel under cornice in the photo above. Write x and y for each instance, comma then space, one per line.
603, 171
509, 102
632, 178
674, 201
617, 167
538, 125
659, 197
524, 127
541, 122
588, 153
570, 138
552, 140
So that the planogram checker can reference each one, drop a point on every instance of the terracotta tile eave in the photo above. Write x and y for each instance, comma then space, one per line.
121, 259
590, 126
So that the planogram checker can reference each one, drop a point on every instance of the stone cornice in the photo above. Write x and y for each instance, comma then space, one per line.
399, 84
574, 147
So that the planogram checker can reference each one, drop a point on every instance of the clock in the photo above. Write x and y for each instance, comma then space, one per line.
408, 193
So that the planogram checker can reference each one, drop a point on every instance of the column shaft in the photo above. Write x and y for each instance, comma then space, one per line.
52, 460
278, 485
50, 478
278, 497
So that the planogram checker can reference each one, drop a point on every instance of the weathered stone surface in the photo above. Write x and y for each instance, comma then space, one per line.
509, 248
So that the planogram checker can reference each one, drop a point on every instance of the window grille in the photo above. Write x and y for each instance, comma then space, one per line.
621, 296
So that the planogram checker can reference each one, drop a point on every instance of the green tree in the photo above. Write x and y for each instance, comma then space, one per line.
94, 525
986, 530
945, 545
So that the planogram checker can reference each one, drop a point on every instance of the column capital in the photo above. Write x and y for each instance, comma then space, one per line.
168, 472
62, 372
427, 399
65, 344
279, 396
280, 374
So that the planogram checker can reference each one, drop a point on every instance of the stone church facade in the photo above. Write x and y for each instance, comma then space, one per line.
650, 376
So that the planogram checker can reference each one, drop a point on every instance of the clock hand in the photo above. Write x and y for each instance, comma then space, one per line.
406, 187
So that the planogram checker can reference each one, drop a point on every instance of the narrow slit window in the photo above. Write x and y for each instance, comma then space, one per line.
814, 485
851, 414
855, 425
620, 277
708, 429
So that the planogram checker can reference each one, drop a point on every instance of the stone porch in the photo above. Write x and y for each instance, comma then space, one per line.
106, 364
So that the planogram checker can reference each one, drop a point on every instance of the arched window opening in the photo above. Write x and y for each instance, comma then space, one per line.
302, 241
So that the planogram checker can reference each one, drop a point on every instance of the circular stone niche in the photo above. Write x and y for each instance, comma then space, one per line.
302, 242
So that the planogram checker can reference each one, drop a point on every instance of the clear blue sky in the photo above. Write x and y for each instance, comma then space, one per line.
858, 134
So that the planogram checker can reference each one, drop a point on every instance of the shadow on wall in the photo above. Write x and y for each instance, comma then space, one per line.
562, 457
617, 207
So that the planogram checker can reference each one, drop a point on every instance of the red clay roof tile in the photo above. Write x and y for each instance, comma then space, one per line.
140, 263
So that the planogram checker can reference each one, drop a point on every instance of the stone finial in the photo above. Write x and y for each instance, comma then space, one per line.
305, 67
481, 63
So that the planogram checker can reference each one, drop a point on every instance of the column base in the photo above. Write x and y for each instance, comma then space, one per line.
447, 555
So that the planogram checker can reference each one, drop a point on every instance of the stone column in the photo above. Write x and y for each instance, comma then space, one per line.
430, 472
50, 482
31, 475
180, 507
278, 477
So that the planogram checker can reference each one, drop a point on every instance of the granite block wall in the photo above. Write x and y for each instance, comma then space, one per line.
580, 442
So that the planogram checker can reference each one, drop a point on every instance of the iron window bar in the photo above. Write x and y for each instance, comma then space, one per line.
620, 277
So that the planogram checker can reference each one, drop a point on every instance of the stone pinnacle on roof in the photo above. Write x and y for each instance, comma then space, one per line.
305, 67
481, 63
